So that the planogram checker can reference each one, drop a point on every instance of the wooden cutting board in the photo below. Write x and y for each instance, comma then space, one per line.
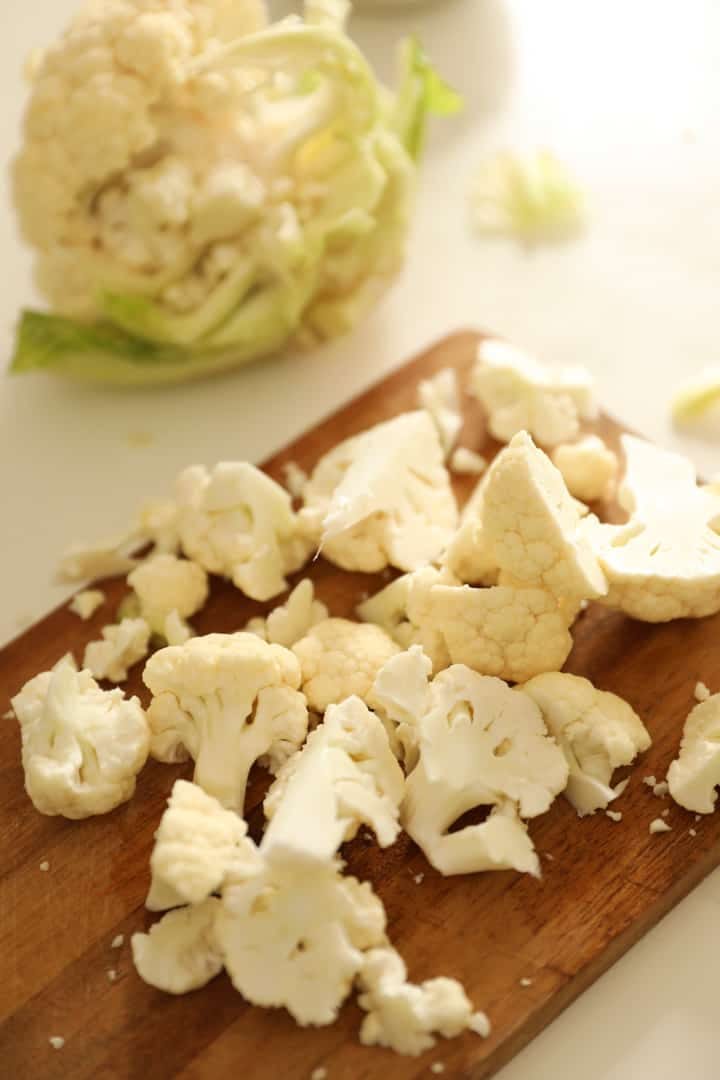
604, 884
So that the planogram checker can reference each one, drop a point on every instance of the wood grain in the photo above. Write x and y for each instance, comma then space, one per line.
604, 884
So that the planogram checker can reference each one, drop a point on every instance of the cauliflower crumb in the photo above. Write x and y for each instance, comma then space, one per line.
467, 462
437, 1067
44, 866
112, 975
549, 857
57, 1042
650, 781
658, 826
692, 832
118, 941
661, 789
614, 815
319, 1074
665, 813
86, 603
526, 982
480, 1024
702, 693
620, 788
698, 816
9, 715
419, 878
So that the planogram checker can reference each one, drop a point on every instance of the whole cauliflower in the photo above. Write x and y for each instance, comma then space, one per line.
339, 658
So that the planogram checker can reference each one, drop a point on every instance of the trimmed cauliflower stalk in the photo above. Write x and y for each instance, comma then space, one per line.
199, 847
694, 775
664, 563
405, 1017
226, 700
339, 658
168, 588
597, 732
181, 952
389, 610
481, 744
293, 620
383, 498
520, 394
401, 696
589, 468
200, 187
123, 644
440, 397
82, 747
235, 521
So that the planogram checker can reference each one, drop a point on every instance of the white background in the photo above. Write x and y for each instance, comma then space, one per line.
628, 93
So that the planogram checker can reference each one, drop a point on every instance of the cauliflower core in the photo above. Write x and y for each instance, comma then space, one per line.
339, 658
225, 700
695, 774
82, 747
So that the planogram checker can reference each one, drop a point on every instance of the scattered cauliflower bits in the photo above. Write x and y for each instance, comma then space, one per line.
519, 394
383, 498
293, 620
167, 586
694, 775
589, 468
339, 658
440, 397
85, 604
82, 747
123, 644
664, 563
226, 700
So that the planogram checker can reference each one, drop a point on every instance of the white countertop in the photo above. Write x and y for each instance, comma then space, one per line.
628, 93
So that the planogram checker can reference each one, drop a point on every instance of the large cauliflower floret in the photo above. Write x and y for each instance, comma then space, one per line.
664, 563
234, 520
339, 658
383, 497
693, 777
225, 700
165, 584
519, 394
481, 744
597, 732
82, 747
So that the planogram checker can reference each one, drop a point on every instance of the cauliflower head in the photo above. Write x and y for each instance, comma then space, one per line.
339, 658
226, 700
82, 747
695, 773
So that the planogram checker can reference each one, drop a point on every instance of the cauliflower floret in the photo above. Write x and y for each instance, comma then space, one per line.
199, 847
401, 693
597, 732
346, 775
389, 610
86, 603
467, 462
181, 951
339, 658
588, 467
226, 700
405, 1017
481, 744
519, 394
291, 621
165, 584
440, 397
106, 559
123, 644
234, 520
384, 497
694, 775
82, 747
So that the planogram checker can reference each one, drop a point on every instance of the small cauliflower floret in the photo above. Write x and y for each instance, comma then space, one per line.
226, 700
123, 644
384, 497
510, 632
82, 747
86, 603
106, 559
588, 467
165, 584
402, 694
295, 937
467, 462
664, 562
694, 775
481, 744
469, 558
291, 621
389, 610
597, 732
520, 394
345, 776
531, 525
180, 953
339, 658
440, 397
234, 520
199, 847
404, 1016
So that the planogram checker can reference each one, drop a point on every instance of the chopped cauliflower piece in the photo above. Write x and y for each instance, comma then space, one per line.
384, 497
106, 559
165, 585
86, 603
123, 645
657, 825
401, 696
199, 847
701, 692
389, 610
294, 619
467, 462
440, 397
520, 394
695, 773
295, 479
664, 562
82, 747
481, 744
597, 732
588, 467
339, 658
226, 700
345, 776
404, 1016
180, 952
234, 520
